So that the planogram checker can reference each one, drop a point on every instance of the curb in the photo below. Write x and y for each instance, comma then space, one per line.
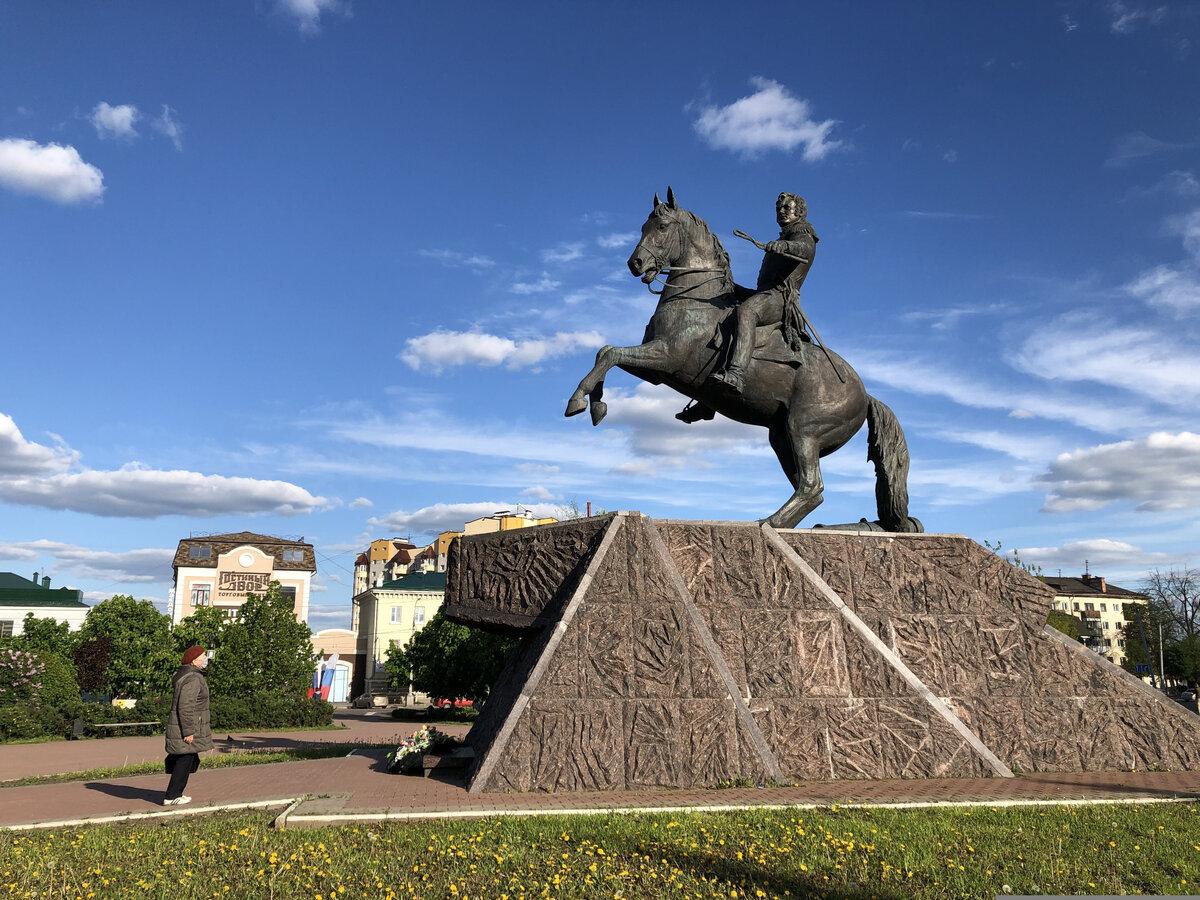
135, 817
322, 820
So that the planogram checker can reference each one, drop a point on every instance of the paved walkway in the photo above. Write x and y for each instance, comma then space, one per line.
358, 788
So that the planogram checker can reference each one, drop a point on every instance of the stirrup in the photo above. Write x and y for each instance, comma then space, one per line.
695, 412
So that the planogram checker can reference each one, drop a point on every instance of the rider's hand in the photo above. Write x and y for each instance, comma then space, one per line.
774, 247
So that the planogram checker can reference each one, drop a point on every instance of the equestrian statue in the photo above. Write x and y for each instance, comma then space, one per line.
747, 355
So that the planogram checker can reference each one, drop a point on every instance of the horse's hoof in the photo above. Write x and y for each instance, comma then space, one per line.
599, 411
575, 406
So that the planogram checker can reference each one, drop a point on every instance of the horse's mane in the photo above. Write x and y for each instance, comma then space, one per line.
718, 249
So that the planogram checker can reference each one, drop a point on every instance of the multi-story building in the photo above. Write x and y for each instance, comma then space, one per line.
388, 559
219, 570
504, 521
19, 597
1100, 606
391, 613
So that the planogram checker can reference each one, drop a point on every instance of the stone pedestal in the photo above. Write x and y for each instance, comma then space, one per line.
675, 653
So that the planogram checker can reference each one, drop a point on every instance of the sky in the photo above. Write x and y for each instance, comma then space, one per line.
332, 268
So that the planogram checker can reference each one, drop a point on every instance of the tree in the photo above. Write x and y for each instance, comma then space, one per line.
1170, 615
142, 655
1177, 591
446, 659
264, 650
46, 635
1066, 623
206, 626
1144, 623
91, 660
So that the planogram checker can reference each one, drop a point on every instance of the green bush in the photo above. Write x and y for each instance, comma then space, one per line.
20, 722
268, 711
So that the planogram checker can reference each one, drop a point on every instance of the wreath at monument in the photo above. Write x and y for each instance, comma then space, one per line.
407, 757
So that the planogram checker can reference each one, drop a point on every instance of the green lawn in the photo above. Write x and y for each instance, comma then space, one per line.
835, 853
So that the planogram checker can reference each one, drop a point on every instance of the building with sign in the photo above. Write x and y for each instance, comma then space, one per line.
219, 570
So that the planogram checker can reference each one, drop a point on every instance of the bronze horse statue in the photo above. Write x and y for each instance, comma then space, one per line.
810, 406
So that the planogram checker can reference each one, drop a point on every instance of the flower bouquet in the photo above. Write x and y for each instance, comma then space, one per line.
407, 757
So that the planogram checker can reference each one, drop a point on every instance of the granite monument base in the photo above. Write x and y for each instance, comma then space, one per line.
662, 653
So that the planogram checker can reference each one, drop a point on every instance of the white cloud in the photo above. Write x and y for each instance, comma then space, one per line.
617, 239
544, 285
361, 503
1123, 19
950, 156
115, 121
138, 492
654, 432
538, 492
168, 125
563, 253
452, 259
1139, 145
432, 520
442, 349
1167, 288
769, 119
21, 457
1159, 473
128, 567
1019, 446
49, 171
1099, 554
307, 13
1140, 360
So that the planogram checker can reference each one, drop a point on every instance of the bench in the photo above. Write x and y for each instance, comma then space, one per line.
108, 727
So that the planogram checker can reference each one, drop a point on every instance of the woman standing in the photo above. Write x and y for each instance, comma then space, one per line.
188, 731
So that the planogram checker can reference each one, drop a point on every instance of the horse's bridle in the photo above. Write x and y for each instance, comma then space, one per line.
665, 269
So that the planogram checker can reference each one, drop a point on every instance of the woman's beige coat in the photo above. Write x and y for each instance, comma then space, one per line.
189, 712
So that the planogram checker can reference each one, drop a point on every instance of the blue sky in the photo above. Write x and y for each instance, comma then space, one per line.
332, 269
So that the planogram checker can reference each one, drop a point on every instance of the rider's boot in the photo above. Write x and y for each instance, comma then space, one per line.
732, 378
695, 412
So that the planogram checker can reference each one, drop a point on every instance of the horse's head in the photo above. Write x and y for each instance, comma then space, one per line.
663, 240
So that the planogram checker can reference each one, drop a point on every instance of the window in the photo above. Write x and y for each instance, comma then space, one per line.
1121, 642
1076, 607
293, 556
1108, 642
1090, 607
1103, 608
1116, 607
6, 628
201, 595
289, 594
1106, 626
419, 616
396, 613
195, 552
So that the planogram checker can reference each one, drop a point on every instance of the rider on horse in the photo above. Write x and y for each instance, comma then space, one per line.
777, 302
784, 268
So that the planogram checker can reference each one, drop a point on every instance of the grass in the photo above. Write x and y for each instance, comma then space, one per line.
223, 761
844, 853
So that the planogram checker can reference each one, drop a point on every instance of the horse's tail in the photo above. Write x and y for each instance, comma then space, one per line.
887, 448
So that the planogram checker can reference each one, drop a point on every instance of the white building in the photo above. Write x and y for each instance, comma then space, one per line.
21, 596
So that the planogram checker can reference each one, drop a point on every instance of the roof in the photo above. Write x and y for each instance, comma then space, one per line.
12, 580
1080, 587
417, 581
223, 543
9, 598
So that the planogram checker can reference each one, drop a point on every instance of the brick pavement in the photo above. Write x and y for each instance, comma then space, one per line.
358, 788
24, 760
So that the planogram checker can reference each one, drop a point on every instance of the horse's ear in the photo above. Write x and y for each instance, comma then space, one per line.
657, 202
670, 197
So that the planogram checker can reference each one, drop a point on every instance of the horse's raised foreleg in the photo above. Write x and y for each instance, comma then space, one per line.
652, 355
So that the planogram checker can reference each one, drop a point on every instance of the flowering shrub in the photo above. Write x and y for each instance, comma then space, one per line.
407, 757
20, 676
